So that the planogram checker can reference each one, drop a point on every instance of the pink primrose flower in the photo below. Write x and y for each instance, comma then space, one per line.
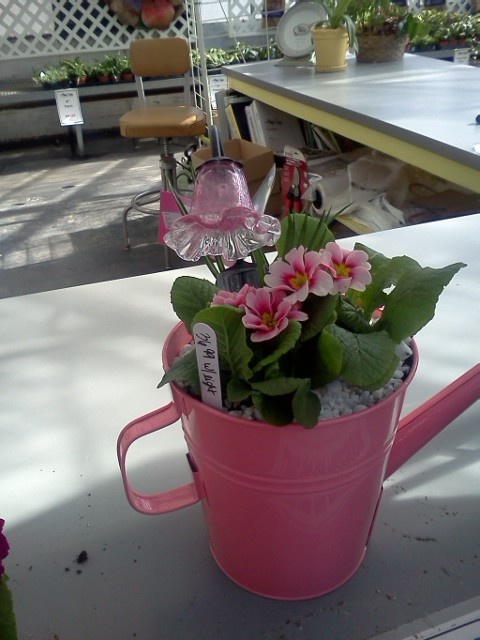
267, 312
233, 298
4, 547
300, 273
351, 269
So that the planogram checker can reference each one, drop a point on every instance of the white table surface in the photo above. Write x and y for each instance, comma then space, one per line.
77, 364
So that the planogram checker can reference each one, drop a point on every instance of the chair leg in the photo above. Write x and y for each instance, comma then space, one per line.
166, 256
168, 174
138, 203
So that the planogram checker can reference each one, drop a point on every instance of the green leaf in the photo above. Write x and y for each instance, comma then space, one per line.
8, 626
385, 274
352, 318
238, 390
272, 350
260, 260
408, 291
274, 410
189, 296
282, 400
277, 386
306, 406
300, 229
321, 312
411, 305
319, 359
233, 350
330, 350
369, 359
183, 369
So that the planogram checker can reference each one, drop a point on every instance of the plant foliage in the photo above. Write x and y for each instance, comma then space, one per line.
344, 335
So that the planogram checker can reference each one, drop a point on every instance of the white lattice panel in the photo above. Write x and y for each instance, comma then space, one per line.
40, 28
33, 28
30, 28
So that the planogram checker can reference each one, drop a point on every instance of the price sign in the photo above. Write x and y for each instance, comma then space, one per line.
68, 107
461, 56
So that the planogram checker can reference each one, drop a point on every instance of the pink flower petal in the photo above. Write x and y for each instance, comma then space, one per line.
267, 312
232, 298
351, 269
301, 273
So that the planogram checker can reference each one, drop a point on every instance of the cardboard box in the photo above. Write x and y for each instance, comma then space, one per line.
256, 160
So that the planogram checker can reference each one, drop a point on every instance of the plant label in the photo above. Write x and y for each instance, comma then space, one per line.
208, 364
461, 56
68, 107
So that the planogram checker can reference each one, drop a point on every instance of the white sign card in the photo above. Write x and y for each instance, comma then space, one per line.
68, 107
461, 56
208, 365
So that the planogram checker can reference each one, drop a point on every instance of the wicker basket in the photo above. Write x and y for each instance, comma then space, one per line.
378, 48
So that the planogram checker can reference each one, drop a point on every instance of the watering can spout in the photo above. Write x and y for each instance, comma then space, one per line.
425, 422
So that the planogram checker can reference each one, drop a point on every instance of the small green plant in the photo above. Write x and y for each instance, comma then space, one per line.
51, 75
444, 28
337, 16
112, 65
216, 57
383, 17
75, 68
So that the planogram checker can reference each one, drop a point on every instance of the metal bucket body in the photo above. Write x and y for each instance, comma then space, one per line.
289, 510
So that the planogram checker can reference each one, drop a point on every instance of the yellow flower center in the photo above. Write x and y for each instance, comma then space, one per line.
269, 320
298, 280
342, 270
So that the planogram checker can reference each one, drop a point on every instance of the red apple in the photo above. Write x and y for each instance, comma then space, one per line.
157, 14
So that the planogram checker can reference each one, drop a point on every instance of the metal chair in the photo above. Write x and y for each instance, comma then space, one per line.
157, 58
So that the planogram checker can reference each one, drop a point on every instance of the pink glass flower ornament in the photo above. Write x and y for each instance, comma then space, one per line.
222, 220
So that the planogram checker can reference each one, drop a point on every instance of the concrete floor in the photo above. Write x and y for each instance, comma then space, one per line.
60, 215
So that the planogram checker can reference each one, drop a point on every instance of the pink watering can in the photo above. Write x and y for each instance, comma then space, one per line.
290, 511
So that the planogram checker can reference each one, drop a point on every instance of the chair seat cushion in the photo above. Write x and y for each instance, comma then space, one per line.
163, 122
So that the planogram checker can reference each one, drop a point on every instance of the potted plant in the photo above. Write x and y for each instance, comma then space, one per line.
92, 70
355, 283
124, 66
333, 35
384, 29
445, 30
113, 66
248, 369
76, 71
52, 77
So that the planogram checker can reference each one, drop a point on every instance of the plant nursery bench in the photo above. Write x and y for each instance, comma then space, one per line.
419, 110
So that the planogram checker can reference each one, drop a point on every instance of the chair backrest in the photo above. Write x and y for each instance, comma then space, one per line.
161, 57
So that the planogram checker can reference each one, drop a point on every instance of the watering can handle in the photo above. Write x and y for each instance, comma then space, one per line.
153, 504
425, 422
